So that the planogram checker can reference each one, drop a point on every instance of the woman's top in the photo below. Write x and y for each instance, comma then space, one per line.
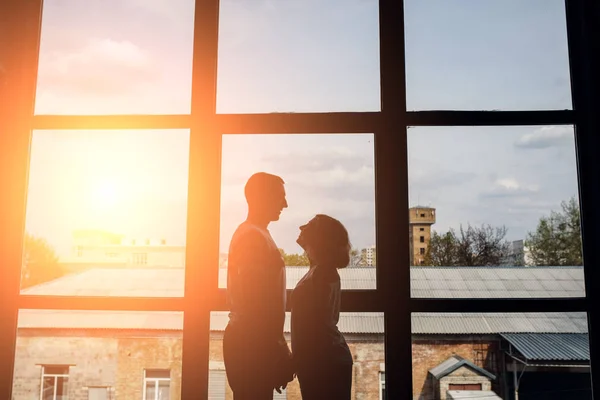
315, 314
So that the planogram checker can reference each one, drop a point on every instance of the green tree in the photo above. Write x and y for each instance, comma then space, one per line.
442, 249
470, 247
40, 263
557, 238
295, 260
358, 258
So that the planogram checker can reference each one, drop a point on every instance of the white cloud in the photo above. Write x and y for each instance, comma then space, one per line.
100, 67
545, 137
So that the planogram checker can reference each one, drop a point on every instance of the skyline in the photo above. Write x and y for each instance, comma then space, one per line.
136, 57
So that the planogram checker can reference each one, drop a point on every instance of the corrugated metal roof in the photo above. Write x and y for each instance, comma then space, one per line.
551, 346
350, 322
442, 282
426, 282
454, 363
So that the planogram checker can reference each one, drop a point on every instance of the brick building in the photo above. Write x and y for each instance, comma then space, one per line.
98, 355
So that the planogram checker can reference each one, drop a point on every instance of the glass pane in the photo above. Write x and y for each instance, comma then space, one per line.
497, 356
323, 174
163, 390
298, 56
106, 213
498, 211
48, 388
363, 332
62, 388
98, 393
115, 57
151, 390
487, 55
105, 348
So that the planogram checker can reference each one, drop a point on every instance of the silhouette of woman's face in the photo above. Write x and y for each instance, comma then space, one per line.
306, 237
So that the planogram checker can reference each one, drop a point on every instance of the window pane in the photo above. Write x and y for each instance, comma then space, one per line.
106, 213
488, 55
513, 191
547, 354
104, 348
150, 390
363, 332
100, 393
48, 388
323, 174
115, 57
298, 56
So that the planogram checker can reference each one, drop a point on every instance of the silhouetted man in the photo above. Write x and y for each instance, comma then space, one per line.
257, 358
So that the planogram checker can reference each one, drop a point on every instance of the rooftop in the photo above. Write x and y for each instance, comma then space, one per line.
426, 282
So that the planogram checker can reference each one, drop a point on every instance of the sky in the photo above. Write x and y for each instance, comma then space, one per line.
135, 57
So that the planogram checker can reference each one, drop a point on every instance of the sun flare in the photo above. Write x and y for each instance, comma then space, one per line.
105, 194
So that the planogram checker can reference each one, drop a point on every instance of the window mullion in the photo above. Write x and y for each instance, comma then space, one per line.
584, 60
202, 253
391, 180
19, 42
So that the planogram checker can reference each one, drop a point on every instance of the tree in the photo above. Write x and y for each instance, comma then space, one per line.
357, 259
557, 238
442, 249
473, 247
295, 260
40, 263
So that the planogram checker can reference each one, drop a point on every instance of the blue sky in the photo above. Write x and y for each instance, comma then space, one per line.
134, 56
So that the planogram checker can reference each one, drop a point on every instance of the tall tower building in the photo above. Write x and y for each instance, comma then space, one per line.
420, 220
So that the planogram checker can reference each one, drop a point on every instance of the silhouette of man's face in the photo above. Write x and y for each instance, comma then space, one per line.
279, 202
273, 202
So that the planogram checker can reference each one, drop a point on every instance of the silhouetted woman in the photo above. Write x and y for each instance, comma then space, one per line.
322, 358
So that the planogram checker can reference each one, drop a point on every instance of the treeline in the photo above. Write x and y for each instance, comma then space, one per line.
555, 242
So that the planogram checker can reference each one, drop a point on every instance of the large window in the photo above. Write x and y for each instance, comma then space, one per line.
157, 384
131, 127
55, 383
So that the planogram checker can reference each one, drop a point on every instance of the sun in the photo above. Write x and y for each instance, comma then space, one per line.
105, 194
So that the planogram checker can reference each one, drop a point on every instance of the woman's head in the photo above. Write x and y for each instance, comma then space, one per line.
325, 241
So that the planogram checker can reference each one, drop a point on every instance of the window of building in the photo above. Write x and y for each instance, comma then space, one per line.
422, 215
140, 258
422, 250
421, 229
55, 382
157, 384
422, 239
98, 393
217, 381
382, 386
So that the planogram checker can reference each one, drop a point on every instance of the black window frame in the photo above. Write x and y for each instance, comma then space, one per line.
20, 22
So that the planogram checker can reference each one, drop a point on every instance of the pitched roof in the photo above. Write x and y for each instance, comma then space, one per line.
551, 346
438, 282
426, 282
454, 363
351, 322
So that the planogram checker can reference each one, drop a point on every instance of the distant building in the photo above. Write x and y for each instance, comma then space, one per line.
420, 220
122, 355
98, 248
368, 256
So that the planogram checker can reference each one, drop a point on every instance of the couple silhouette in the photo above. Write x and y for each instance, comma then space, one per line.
256, 355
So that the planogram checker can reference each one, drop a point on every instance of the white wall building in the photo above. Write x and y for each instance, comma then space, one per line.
105, 248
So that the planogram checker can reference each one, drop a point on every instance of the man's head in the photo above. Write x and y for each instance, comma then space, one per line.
265, 195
